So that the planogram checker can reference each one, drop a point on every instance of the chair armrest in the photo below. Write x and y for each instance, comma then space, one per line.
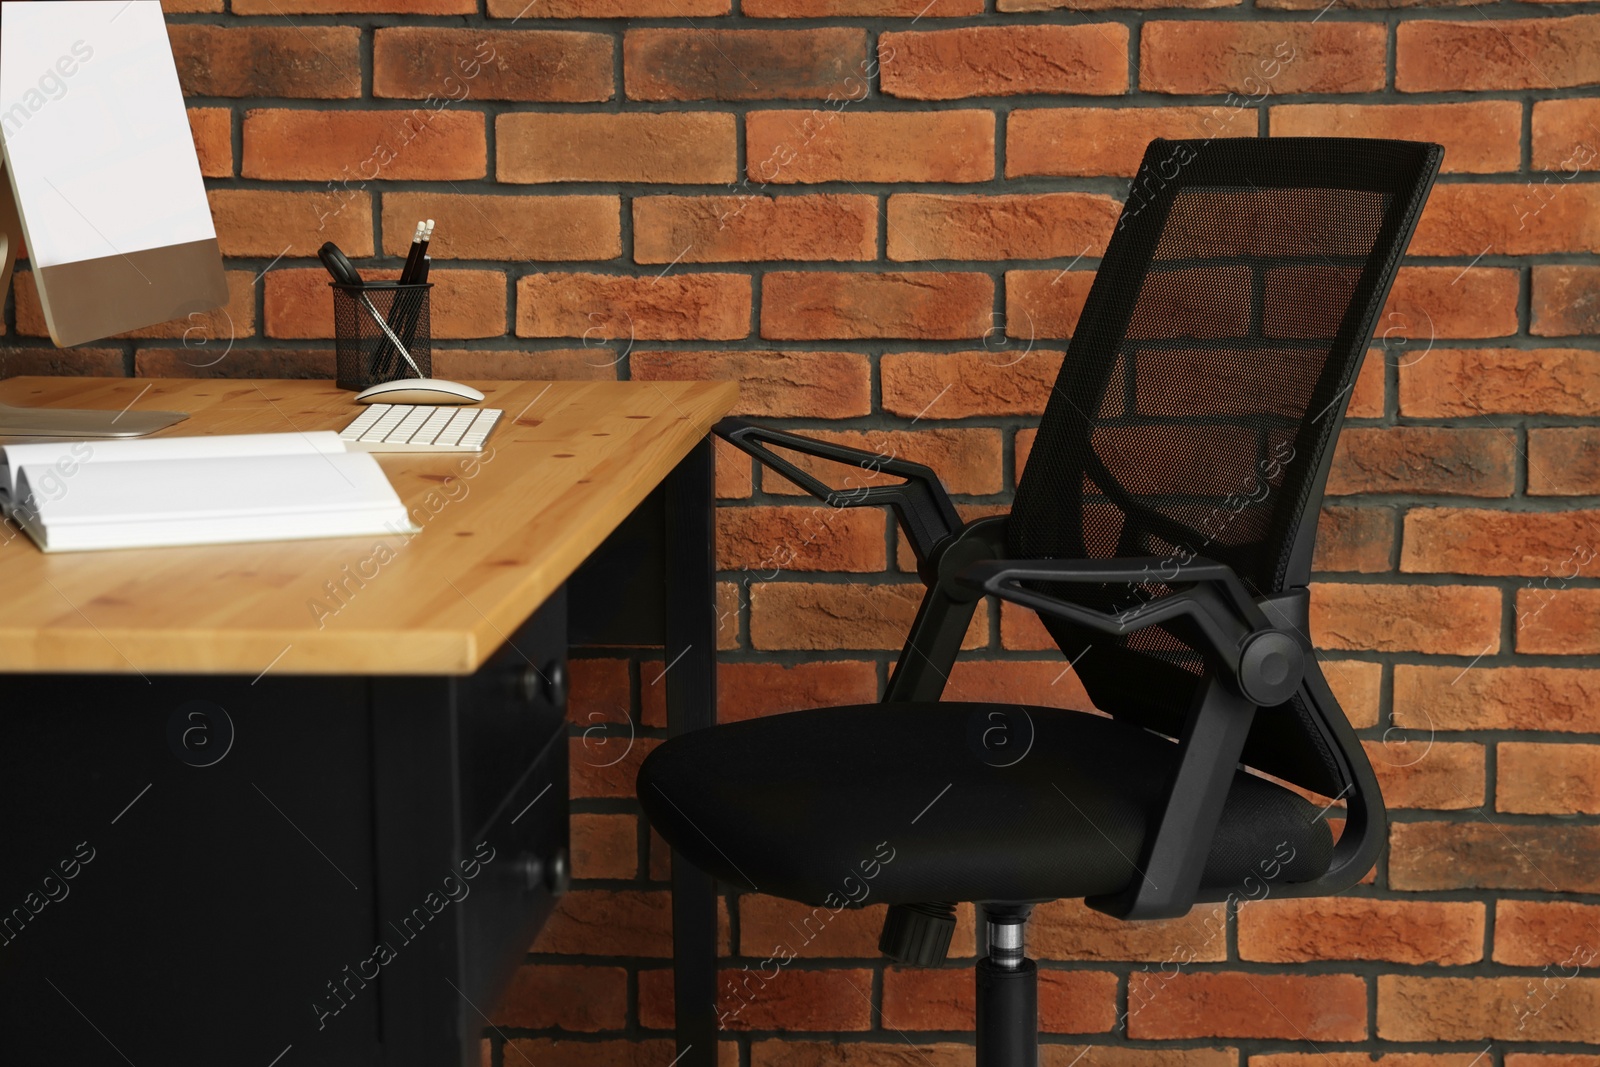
1264, 667
1266, 664
920, 503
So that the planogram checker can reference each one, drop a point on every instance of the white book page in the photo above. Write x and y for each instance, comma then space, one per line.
96, 136
208, 491
68, 458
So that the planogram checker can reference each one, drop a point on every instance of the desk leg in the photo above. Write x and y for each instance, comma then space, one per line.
691, 658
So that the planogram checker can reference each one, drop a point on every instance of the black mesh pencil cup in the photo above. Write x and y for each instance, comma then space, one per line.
376, 326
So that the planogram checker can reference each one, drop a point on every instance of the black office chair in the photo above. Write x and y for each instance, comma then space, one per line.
1163, 531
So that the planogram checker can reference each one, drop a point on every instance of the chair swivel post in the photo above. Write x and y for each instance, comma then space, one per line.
1008, 992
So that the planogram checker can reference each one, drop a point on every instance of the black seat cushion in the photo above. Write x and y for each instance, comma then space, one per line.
902, 803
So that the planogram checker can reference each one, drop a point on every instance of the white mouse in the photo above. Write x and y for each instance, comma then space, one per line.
419, 391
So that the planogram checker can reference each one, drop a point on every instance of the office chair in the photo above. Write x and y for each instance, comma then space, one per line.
1163, 532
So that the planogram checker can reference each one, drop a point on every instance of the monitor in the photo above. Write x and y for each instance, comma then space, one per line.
102, 184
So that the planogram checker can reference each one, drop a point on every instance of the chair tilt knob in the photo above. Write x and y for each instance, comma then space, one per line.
918, 934
1271, 666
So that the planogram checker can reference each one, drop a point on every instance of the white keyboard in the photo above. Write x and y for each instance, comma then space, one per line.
420, 428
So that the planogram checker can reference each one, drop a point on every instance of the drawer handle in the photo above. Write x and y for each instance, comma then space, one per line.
551, 683
534, 874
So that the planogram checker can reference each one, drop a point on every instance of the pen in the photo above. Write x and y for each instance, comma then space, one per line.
422, 250
416, 250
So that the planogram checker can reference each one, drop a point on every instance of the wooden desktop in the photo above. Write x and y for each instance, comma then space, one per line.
379, 712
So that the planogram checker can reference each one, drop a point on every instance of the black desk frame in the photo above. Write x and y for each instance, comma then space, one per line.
389, 762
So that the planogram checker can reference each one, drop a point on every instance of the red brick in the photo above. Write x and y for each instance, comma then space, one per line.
463, 303
824, 617
1483, 541
1328, 1007
1537, 933
1500, 55
1083, 60
1442, 855
1362, 1059
1045, 304
1071, 930
778, 540
604, 845
562, 364
609, 922
657, 147
752, 999
205, 332
605, 307
1564, 135
1022, 226
362, 146
1356, 685
1553, 619
1065, 1055
734, 478
1424, 460
779, 384
1564, 461
1367, 395
894, 1053
1479, 1009
869, 146
286, 61
599, 690
1074, 142
582, 999
325, 7
954, 385
599, 778
1070, 1002
967, 460
752, 690
214, 359
212, 128
1046, 683
1462, 382
170, 7
1566, 301
516, 10
714, 64
512, 228
1536, 778
1551, 215
1459, 620
1433, 302
1497, 698
721, 229
415, 63
1482, 137
1360, 928
90, 362
1106, 5
1253, 57
1354, 539
270, 223
810, 9
1419, 771
822, 305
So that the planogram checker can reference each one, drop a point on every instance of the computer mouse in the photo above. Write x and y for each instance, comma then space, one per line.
419, 391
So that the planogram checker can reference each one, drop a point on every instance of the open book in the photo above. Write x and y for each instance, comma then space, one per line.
75, 495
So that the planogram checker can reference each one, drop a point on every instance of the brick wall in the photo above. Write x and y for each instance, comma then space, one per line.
881, 216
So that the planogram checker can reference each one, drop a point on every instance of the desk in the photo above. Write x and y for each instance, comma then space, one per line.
231, 773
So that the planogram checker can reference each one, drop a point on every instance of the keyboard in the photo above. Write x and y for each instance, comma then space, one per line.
420, 428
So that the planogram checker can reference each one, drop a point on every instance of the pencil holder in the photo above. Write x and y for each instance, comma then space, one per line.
368, 320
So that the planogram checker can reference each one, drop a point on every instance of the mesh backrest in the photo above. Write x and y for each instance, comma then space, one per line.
1202, 391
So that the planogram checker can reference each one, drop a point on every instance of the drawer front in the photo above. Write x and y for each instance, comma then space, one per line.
507, 712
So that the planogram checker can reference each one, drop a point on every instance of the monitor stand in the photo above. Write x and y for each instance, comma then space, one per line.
79, 423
